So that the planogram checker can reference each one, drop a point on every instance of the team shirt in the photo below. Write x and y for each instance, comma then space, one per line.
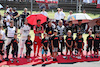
45, 42
10, 31
96, 28
1, 44
79, 42
70, 28
40, 28
25, 29
82, 27
49, 30
89, 40
60, 29
69, 40
28, 43
15, 44
97, 40
55, 41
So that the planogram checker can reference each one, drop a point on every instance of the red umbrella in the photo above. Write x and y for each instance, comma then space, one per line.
32, 19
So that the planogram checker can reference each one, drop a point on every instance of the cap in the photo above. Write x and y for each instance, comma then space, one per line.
69, 21
55, 30
79, 20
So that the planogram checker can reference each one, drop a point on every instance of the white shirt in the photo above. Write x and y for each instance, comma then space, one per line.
11, 31
62, 15
57, 16
8, 10
25, 29
61, 29
68, 16
3, 34
8, 18
44, 13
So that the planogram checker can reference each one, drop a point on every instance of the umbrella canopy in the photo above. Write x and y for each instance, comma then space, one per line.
93, 22
79, 16
32, 19
1, 6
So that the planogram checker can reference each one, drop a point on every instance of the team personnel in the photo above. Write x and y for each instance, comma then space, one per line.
57, 15
62, 15
10, 31
96, 45
1, 48
24, 31
49, 31
55, 43
69, 44
28, 44
61, 31
80, 28
44, 12
14, 44
38, 29
15, 17
90, 43
96, 28
79, 45
45, 45
70, 26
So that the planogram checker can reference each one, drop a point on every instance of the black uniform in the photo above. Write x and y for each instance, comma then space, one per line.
79, 43
96, 29
70, 28
82, 26
69, 40
28, 43
89, 42
96, 43
15, 47
1, 46
49, 31
55, 41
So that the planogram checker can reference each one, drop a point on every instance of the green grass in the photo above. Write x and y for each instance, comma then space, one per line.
51, 14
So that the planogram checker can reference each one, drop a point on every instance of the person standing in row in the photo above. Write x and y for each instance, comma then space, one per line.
55, 43
10, 31
24, 31
90, 42
96, 45
38, 29
1, 47
44, 12
57, 15
60, 28
14, 44
49, 31
28, 44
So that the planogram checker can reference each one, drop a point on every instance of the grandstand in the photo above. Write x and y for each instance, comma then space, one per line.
65, 4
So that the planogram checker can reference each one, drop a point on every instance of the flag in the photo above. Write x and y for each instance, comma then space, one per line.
98, 3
